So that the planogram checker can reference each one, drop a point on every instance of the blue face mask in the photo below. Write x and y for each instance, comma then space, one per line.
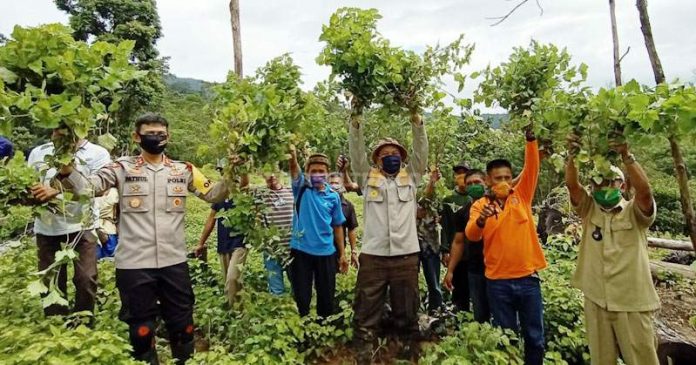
391, 164
317, 180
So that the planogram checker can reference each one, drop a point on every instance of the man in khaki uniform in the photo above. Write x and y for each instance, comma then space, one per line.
613, 268
151, 256
389, 258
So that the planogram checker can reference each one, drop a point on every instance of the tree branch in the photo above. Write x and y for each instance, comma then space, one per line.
503, 18
625, 53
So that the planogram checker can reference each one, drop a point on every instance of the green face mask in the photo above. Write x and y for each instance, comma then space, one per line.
607, 197
475, 191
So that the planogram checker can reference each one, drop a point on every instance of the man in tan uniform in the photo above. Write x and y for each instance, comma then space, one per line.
151, 256
613, 268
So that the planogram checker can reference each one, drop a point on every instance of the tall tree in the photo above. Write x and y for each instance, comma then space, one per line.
236, 37
114, 21
615, 41
677, 156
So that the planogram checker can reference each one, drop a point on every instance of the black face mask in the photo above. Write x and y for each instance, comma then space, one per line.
151, 143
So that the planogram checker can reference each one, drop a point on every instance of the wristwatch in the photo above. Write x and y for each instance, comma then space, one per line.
629, 159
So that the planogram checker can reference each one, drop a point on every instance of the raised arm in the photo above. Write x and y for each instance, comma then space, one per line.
636, 175
435, 176
529, 176
418, 162
342, 164
356, 148
294, 165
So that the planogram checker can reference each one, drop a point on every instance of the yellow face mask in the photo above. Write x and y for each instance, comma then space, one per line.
501, 189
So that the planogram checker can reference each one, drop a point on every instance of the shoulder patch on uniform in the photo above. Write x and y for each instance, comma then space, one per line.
200, 182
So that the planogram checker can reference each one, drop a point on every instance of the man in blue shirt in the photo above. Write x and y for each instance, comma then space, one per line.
230, 248
317, 235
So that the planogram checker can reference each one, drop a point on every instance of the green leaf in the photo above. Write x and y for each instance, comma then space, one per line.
53, 297
37, 288
107, 141
37, 67
7, 76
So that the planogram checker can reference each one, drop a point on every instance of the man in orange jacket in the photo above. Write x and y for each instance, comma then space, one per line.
512, 253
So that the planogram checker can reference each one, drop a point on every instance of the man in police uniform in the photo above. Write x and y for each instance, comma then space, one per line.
151, 257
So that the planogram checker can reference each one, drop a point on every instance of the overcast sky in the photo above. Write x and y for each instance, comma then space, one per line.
198, 40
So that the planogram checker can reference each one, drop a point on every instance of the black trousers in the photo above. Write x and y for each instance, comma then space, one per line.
306, 270
167, 291
460, 281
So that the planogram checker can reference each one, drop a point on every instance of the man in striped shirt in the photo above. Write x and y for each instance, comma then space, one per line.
280, 202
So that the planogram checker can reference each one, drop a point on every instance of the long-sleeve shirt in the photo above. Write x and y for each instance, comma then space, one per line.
511, 247
152, 207
390, 202
107, 214
79, 216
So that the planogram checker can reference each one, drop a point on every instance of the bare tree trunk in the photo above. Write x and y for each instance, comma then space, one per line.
645, 27
615, 39
684, 194
236, 36
679, 165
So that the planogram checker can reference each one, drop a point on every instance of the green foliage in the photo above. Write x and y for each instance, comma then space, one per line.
326, 128
29, 338
373, 71
256, 118
669, 212
563, 305
474, 343
114, 21
15, 178
187, 113
527, 76
49, 80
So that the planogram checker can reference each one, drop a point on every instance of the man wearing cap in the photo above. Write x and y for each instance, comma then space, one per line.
613, 268
317, 242
451, 205
390, 249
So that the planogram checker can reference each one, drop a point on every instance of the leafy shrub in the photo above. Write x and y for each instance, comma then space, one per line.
474, 343
563, 305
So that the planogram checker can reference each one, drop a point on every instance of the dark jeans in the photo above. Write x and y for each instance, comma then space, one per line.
397, 275
306, 270
513, 298
479, 297
460, 281
85, 278
430, 263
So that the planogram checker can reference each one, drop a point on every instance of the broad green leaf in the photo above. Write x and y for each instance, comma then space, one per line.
37, 287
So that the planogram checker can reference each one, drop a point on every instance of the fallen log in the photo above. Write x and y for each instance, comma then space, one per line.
683, 270
673, 348
670, 244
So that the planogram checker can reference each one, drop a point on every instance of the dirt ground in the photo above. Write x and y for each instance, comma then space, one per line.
678, 306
